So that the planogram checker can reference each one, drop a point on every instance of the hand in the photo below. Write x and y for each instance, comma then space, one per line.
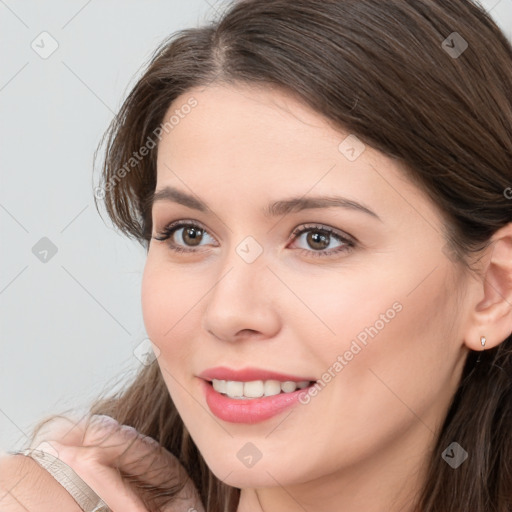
99, 451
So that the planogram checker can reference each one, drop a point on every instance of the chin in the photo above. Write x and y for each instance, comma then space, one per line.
249, 478
263, 473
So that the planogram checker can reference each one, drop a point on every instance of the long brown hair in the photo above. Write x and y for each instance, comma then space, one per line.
396, 75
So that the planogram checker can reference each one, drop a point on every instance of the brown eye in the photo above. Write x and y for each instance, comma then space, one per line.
317, 240
192, 235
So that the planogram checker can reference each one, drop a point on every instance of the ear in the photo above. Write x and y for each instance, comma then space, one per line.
491, 315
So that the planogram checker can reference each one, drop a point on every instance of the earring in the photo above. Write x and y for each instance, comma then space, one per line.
483, 339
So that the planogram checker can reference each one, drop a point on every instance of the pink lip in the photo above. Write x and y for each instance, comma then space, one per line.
250, 411
249, 374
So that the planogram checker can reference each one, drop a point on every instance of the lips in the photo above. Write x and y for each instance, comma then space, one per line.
250, 410
250, 374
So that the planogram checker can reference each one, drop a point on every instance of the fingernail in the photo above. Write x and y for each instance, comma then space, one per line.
104, 420
129, 430
153, 443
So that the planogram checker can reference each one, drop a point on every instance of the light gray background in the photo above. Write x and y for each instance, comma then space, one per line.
71, 324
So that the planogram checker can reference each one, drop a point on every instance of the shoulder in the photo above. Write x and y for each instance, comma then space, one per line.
24, 485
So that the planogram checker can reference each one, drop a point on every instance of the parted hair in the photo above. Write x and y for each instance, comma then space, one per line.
386, 72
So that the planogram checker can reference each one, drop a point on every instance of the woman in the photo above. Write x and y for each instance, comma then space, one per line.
324, 193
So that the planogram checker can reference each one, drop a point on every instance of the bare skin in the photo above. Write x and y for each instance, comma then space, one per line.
97, 452
363, 442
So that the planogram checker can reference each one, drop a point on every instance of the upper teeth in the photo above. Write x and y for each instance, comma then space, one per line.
256, 388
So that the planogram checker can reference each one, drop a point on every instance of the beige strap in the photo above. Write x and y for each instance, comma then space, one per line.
86, 498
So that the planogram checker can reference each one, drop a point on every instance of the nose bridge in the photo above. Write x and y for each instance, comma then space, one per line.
240, 299
243, 271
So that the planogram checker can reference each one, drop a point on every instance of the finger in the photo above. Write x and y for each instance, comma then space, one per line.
100, 441
140, 455
133, 452
105, 481
63, 437
59, 428
71, 431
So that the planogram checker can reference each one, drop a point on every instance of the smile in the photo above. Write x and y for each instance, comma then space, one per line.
250, 410
256, 388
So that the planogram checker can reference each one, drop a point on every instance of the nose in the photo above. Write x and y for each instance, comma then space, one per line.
243, 303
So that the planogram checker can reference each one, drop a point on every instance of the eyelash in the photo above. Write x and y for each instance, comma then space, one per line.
171, 228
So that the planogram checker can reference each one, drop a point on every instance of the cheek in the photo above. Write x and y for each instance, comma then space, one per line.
153, 302
391, 336
168, 298
354, 307
401, 362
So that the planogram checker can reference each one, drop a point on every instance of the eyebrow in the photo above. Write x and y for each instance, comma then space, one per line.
282, 207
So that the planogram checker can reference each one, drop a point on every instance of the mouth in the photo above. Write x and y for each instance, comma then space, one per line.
247, 390
227, 400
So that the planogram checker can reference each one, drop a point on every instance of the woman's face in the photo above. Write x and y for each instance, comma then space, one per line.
373, 317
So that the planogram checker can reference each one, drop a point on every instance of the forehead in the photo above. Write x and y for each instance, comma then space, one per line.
245, 144
246, 121
247, 130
